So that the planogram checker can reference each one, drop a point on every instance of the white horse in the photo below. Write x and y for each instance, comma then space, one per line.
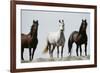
56, 39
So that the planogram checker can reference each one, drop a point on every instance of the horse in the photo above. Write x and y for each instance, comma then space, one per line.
30, 40
56, 39
79, 37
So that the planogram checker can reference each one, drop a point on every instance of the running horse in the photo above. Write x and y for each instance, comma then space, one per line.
79, 37
30, 40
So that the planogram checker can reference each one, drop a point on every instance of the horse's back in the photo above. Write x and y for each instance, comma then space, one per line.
25, 40
22, 34
52, 37
55, 38
73, 36
23, 37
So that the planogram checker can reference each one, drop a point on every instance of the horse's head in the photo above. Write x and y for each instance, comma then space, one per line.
34, 27
61, 25
35, 24
83, 25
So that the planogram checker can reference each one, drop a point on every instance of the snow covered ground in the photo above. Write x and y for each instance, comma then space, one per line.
69, 58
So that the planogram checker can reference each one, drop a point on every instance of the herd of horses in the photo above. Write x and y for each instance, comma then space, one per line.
55, 40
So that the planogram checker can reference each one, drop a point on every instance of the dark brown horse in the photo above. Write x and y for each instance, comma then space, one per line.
79, 38
30, 40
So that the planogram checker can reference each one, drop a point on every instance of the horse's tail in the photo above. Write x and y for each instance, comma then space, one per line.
46, 49
70, 45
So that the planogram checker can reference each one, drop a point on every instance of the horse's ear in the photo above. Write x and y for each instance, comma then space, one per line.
59, 21
85, 20
33, 21
82, 20
62, 20
37, 21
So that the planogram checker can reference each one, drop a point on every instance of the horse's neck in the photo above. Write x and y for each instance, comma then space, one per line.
33, 35
83, 33
60, 33
81, 30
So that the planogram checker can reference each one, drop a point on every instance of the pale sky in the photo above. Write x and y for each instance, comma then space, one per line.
48, 22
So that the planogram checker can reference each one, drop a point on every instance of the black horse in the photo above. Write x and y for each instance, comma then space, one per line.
79, 38
30, 40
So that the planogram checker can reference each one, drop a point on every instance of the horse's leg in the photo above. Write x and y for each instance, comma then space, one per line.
80, 50
33, 53
30, 53
34, 48
49, 47
86, 49
52, 50
77, 50
62, 52
22, 50
57, 51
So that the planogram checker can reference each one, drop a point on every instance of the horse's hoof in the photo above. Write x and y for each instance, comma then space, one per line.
22, 59
30, 59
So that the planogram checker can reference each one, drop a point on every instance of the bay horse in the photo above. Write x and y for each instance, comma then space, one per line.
56, 39
30, 40
79, 37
